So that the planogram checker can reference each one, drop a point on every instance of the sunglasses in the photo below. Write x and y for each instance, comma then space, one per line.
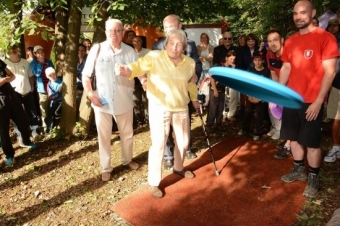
227, 38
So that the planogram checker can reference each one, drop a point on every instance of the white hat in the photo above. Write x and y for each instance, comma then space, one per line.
49, 71
36, 48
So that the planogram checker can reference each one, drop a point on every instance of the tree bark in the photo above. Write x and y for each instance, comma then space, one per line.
85, 110
68, 121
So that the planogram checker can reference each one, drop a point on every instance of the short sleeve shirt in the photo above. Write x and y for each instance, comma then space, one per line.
305, 53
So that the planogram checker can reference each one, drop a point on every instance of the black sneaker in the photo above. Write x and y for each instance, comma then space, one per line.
281, 144
282, 153
297, 173
312, 188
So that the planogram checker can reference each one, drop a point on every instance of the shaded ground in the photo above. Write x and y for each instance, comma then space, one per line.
244, 194
59, 182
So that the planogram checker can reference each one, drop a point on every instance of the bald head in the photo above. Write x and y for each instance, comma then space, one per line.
171, 22
308, 4
303, 14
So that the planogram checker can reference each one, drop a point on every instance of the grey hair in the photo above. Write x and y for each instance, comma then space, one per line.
110, 22
179, 33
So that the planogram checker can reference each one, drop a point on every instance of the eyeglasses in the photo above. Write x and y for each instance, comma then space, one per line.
227, 38
115, 31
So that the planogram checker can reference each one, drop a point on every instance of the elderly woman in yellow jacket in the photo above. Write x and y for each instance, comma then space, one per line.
169, 92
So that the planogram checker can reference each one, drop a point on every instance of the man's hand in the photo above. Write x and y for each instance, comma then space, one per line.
94, 99
196, 104
312, 111
215, 93
124, 70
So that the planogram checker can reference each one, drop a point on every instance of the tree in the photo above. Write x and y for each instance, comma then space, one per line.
243, 16
85, 109
70, 69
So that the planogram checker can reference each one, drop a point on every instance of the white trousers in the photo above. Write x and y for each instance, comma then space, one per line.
276, 123
160, 120
104, 130
234, 97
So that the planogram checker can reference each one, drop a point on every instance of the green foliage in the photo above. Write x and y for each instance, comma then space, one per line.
10, 33
56, 134
80, 131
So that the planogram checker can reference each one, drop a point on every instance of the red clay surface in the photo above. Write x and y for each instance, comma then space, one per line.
248, 191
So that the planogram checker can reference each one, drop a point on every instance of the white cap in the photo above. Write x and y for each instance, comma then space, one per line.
37, 47
49, 71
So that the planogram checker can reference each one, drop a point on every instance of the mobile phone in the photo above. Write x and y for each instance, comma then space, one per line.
103, 101
266, 44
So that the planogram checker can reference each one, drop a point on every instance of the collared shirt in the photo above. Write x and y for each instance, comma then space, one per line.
167, 85
116, 89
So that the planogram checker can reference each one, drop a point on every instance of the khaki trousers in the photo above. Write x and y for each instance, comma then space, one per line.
160, 120
104, 130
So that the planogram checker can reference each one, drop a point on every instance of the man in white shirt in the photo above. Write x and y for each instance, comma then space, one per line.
24, 85
113, 97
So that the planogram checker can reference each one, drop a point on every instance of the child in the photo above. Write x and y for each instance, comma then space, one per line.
54, 88
217, 96
253, 104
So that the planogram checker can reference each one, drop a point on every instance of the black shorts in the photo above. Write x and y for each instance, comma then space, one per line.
295, 127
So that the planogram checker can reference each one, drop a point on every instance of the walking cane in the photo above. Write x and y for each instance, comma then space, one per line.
208, 142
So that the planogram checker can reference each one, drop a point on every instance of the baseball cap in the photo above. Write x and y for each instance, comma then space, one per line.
49, 71
37, 47
333, 22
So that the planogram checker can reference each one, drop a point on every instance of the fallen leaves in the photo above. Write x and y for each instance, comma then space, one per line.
266, 187
317, 202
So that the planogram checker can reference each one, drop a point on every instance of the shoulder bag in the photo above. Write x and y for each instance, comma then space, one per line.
93, 75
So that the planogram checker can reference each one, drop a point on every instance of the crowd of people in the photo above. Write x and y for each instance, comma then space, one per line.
137, 86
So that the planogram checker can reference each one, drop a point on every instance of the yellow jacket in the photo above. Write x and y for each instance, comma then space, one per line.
167, 84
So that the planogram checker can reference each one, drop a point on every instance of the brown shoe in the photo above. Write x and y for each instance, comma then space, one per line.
185, 173
133, 165
231, 118
106, 176
155, 192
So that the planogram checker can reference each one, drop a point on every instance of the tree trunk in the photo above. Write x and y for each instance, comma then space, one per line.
60, 38
16, 8
85, 110
68, 116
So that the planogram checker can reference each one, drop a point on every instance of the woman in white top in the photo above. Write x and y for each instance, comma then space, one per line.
205, 51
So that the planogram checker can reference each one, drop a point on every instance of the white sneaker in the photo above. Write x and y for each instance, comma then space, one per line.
332, 155
276, 135
34, 133
271, 132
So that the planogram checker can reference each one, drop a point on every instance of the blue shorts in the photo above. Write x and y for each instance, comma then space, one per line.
295, 127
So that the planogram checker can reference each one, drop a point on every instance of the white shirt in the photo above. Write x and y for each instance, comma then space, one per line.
116, 89
22, 72
143, 52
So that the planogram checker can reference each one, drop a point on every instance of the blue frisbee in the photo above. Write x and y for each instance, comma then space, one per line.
257, 86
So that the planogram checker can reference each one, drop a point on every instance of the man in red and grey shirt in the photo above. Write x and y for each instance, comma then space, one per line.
275, 44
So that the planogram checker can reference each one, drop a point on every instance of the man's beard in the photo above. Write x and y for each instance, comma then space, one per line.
301, 25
